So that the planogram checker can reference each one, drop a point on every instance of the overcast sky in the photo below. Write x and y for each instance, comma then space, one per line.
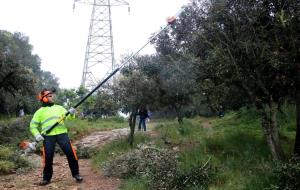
59, 34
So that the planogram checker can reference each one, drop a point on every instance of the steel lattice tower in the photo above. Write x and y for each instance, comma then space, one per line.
99, 54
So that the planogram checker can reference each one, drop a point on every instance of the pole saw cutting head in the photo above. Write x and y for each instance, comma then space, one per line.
27, 146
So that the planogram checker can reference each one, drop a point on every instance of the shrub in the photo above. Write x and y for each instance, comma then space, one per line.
15, 130
85, 152
6, 167
5, 153
288, 175
11, 160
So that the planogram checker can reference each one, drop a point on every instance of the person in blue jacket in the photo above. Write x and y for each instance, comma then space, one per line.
143, 114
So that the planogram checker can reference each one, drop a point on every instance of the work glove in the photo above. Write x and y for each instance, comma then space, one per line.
72, 111
39, 138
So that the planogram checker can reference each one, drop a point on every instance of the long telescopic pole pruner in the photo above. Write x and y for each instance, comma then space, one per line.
116, 70
84, 98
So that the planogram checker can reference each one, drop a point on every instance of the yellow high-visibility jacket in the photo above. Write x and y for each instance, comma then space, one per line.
45, 117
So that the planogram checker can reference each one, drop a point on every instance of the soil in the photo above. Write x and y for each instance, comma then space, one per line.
62, 179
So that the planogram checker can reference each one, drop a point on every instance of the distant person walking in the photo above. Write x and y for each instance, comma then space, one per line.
143, 114
42, 120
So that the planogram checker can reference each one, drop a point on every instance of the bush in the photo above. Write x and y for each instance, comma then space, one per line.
6, 167
5, 153
11, 160
15, 130
288, 175
85, 152
12, 131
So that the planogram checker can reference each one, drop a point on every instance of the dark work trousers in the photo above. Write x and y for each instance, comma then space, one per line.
48, 154
142, 123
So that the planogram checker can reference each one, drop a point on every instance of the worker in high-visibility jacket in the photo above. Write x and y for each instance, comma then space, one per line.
43, 119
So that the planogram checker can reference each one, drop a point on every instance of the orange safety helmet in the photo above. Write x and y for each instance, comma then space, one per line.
43, 95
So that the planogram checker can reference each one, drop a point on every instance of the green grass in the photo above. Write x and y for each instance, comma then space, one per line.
175, 134
134, 184
241, 156
232, 147
235, 146
78, 128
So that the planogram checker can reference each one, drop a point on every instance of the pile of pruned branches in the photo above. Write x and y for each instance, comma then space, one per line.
158, 167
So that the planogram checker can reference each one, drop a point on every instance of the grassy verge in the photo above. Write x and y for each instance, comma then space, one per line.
234, 145
79, 128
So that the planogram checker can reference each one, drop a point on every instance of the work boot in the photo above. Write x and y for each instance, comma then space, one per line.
78, 178
44, 182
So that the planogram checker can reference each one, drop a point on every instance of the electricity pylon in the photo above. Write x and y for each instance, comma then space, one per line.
99, 55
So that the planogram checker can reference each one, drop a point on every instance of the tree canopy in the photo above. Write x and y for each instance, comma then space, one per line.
20, 75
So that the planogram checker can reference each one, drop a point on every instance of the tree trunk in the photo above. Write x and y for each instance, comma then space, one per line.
179, 119
269, 121
178, 114
132, 121
269, 125
297, 138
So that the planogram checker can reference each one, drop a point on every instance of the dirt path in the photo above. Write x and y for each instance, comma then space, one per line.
62, 179
99, 138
